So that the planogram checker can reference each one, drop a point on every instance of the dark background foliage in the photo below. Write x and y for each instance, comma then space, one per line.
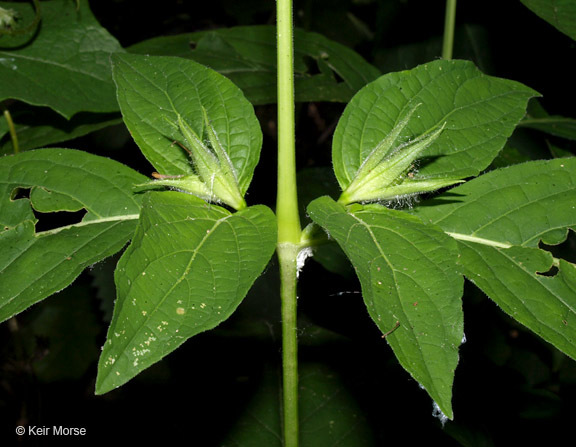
511, 388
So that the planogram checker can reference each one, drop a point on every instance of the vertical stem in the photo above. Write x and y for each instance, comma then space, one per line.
287, 201
449, 22
287, 258
12, 130
289, 230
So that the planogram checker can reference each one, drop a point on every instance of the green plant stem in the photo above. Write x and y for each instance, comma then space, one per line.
287, 200
287, 254
289, 230
12, 130
449, 21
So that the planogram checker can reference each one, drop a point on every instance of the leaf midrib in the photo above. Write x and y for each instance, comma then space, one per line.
486, 225
88, 222
58, 65
361, 222
149, 315
531, 276
56, 265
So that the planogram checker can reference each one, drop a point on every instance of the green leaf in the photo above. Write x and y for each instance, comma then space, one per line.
65, 65
559, 126
329, 416
247, 56
479, 113
34, 265
499, 219
508, 156
38, 127
189, 266
156, 92
410, 284
558, 152
561, 14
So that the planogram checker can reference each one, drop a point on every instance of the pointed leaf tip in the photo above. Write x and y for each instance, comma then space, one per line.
188, 268
410, 281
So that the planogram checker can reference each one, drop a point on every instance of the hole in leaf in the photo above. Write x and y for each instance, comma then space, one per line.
324, 68
337, 77
311, 65
566, 249
50, 221
20, 193
553, 271
193, 45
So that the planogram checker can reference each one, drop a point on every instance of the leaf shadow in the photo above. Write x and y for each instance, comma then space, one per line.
424, 161
445, 198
